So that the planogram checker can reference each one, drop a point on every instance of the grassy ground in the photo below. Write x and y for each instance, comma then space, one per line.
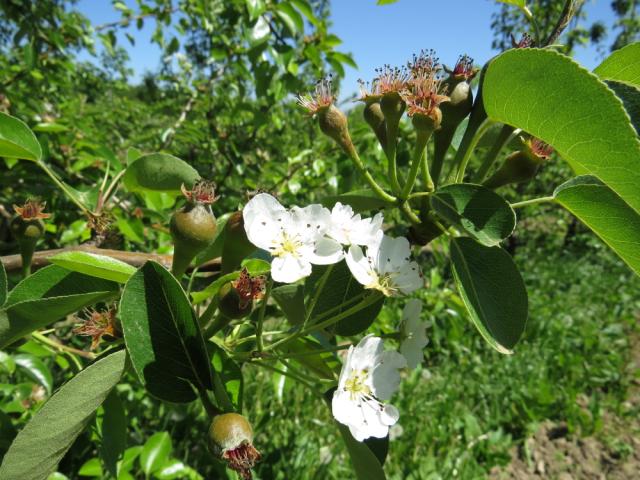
468, 407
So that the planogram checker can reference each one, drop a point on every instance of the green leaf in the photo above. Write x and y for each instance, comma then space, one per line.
307, 10
492, 290
256, 266
91, 468
155, 452
385, 2
290, 17
344, 58
630, 96
360, 200
228, 381
255, 8
604, 212
7, 432
94, 265
325, 364
213, 288
162, 335
477, 210
290, 299
48, 295
159, 172
174, 469
17, 140
339, 289
114, 433
622, 65
36, 369
4, 284
552, 97
42, 443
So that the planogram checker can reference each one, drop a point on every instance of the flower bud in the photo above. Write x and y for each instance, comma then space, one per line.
520, 166
231, 439
374, 117
333, 123
236, 244
27, 227
193, 227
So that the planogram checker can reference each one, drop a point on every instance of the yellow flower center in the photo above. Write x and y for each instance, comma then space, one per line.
383, 284
356, 385
286, 246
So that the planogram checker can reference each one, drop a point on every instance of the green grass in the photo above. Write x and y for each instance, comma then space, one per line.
469, 405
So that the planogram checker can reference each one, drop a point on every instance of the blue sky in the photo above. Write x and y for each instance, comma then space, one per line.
377, 35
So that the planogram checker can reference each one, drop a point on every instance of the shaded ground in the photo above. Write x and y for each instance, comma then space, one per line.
612, 454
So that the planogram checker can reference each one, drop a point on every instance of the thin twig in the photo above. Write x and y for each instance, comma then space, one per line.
571, 7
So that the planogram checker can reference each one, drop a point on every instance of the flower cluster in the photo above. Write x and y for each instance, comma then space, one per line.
301, 237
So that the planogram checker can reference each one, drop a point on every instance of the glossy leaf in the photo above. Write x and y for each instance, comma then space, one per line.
604, 212
4, 285
155, 452
163, 336
492, 290
385, 2
552, 97
622, 65
477, 210
360, 200
228, 381
48, 295
290, 299
17, 140
41, 444
114, 433
339, 289
630, 96
36, 369
94, 265
159, 172
213, 289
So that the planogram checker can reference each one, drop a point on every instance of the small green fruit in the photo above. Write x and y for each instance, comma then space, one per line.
231, 304
231, 439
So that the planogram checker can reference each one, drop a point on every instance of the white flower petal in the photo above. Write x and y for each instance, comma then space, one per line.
411, 349
385, 377
359, 265
314, 220
346, 369
289, 268
325, 252
390, 415
343, 408
262, 204
366, 353
412, 310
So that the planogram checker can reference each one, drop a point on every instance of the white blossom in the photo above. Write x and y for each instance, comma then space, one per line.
386, 266
369, 376
413, 333
351, 229
295, 238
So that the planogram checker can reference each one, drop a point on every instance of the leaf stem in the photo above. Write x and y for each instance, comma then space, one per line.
208, 405
286, 374
320, 287
63, 187
532, 201
503, 138
482, 129
367, 301
260, 322
377, 189
419, 153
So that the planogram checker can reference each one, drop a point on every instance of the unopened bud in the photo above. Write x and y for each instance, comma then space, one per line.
334, 125
193, 227
236, 244
520, 166
27, 227
374, 117
231, 439
236, 297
